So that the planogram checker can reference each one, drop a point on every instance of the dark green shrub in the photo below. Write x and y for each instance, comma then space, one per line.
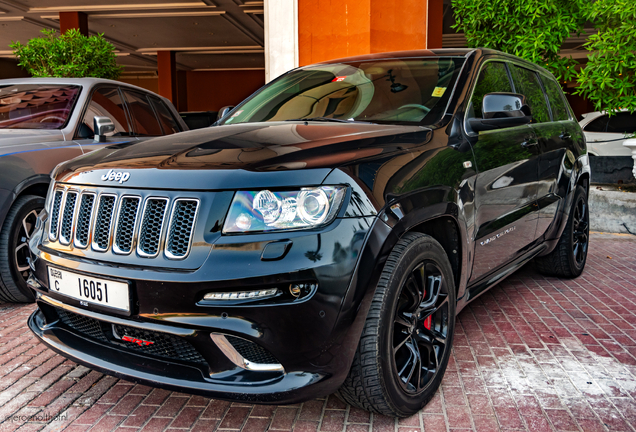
71, 55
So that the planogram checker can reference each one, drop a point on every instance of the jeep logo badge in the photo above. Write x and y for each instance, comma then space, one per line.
116, 176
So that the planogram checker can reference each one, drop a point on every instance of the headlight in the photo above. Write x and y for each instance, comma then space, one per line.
267, 210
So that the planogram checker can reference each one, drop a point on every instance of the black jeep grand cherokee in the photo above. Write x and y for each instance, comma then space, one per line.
322, 238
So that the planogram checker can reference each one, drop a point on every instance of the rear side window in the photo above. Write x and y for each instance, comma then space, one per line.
105, 102
145, 121
599, 124
527, 83
168, 124
622, 122
556, 99
493, 78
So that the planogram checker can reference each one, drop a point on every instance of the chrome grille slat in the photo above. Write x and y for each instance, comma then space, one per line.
103, 222
84, 219
182, 220
55, 214
120, 223
66, 229
126, 221
152, 227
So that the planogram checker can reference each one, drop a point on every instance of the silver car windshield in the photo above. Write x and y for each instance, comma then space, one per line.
34, 106
403, 91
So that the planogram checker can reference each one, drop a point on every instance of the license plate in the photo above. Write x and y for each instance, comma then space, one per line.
89, 289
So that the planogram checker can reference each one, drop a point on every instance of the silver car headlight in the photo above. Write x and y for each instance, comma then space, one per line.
267, 210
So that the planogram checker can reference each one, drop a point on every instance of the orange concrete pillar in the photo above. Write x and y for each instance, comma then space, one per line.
74, 20
398, 25
331, 29
167, 71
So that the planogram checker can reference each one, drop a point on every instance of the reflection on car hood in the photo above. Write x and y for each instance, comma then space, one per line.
236, 156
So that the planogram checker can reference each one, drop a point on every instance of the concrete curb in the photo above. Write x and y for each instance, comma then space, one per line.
612, 211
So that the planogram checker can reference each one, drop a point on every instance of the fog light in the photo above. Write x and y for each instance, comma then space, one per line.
242, 295
303, 289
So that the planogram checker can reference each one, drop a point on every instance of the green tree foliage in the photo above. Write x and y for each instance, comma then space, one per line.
531, 29
609, 79
71, 55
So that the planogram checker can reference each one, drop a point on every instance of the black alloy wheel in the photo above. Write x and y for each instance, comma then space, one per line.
407, 337
17, 230
581, 232
420, 329
570, 254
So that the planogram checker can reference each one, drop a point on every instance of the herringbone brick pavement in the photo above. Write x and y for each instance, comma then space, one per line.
532, 354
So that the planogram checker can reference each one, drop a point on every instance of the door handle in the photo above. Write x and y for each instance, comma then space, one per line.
529, 143
565, 136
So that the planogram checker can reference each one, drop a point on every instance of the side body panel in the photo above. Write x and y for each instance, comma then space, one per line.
25, 165
505, 196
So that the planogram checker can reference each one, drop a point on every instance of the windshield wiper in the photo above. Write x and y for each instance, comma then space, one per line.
328, 119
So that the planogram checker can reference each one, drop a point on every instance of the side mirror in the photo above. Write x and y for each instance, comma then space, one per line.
101, 127
502, 110
223, 111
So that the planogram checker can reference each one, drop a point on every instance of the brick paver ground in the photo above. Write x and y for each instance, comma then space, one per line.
532, 354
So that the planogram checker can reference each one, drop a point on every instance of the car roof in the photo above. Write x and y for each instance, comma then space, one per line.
441, 52
87, 82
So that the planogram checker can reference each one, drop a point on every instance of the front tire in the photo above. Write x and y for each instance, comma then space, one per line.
406, 341
569, 257
14, 250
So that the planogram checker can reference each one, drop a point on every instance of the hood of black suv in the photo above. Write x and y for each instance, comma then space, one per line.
241, 156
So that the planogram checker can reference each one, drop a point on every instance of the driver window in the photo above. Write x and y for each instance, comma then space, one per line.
105, 102
493, 78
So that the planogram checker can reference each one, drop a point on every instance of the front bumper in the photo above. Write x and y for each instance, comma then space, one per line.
289, 387
314, 338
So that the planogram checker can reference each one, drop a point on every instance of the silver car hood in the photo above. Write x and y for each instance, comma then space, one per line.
20, 137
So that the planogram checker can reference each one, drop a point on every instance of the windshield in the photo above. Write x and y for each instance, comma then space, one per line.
402, 91
35, 106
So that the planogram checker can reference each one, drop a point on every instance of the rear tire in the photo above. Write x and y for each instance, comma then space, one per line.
14, 251
569, 257
406, 341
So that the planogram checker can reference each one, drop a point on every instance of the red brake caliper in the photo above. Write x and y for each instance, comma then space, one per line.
428, 319
427, 322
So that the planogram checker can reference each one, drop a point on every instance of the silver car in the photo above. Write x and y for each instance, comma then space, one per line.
46, 121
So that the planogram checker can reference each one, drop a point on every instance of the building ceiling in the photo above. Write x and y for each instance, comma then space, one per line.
206, 34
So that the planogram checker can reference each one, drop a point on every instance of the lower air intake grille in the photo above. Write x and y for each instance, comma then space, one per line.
163, 344
82, 324
251, 351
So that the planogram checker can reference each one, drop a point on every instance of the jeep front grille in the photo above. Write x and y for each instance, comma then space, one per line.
125, 228
123, 223
181, 225
151, 228
67, 217
55, 214
84, 216
103, 223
